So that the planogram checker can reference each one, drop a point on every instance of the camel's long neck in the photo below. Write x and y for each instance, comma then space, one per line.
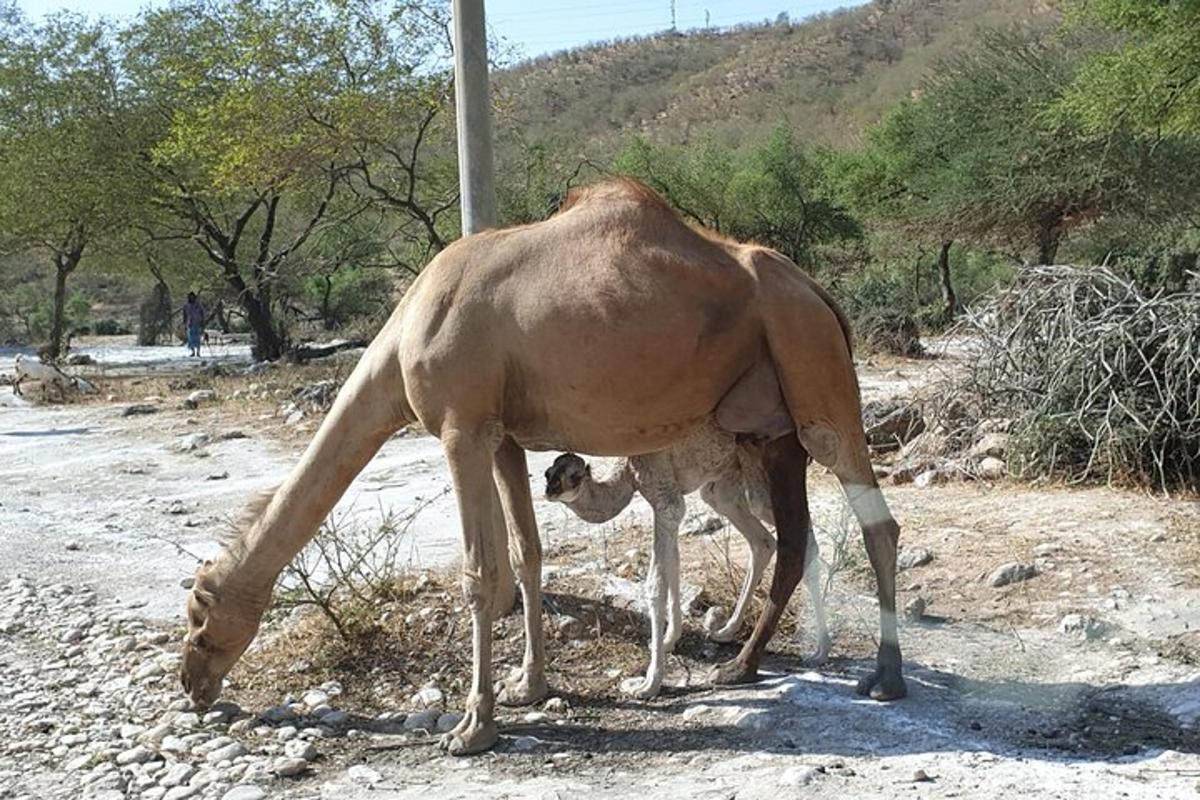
370, 407
600, 501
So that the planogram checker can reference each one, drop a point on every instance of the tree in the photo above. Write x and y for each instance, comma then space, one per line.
67, 182
1151, 80
773, 193
260, 109
978, 157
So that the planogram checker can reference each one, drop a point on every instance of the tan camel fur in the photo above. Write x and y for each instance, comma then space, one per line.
731, 481
666, 325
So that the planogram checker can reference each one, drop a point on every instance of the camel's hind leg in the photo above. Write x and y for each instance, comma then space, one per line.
727, 497
470, 455
527, 684
881, 534
786, 463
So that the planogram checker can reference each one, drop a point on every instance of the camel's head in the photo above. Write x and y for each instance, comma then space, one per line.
565, 478
221, 623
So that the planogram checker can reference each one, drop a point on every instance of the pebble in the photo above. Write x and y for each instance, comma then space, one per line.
177, 775
447, 721
556, 705
181, 793
136, 755
914, 610
798, 776
422, 720
289, 766
1012, 573
227, 753
911, 557
361, 773
526, 743
427, 697
297, 748
246, 791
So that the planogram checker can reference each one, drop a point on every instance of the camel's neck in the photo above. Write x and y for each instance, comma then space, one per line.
365, 414
600, 501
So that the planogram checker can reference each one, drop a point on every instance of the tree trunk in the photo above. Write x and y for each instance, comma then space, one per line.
1049, 234
949, 298
156, 315
269, 344
58, 323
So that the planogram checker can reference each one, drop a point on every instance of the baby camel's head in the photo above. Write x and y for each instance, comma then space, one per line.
565, 478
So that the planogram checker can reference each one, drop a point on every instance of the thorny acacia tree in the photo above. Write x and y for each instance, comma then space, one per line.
265, 115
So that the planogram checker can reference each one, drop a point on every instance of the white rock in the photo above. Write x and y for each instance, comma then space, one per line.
245, 791
911, 557
556, 705
315, 698
286, 733
1012, 573
991, 469
181, 793
297, 748
136, 755
427, 697
227, 753
289, 766
177, 775
361, 773
798, 776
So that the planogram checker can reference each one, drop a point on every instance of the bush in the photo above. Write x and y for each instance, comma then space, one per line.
110, 327
1101, 380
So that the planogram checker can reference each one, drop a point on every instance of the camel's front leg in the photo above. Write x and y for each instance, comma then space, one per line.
786, 463
527, 684
470, 456
662, 576
728, 498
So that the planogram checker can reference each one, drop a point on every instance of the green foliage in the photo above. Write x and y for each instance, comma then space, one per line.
1151, 79
977, 157
773, 193
348, 294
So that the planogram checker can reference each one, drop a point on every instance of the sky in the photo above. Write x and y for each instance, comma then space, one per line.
544, 26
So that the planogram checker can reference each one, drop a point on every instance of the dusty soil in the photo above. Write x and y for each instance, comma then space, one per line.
1004, 699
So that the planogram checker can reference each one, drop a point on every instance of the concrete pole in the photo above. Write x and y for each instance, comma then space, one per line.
473, 112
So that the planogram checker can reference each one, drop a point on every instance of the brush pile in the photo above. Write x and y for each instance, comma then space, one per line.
1101, 381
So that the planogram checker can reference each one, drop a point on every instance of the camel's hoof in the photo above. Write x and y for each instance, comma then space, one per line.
724, 635
731, 673
883, 685
641, 688
470, 736
519, 689
821, 655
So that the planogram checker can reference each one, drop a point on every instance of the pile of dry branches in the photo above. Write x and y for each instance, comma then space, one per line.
1101, 380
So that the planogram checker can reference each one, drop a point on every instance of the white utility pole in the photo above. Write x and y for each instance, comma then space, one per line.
473, 112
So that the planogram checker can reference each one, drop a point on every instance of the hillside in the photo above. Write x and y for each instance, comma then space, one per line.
826, 77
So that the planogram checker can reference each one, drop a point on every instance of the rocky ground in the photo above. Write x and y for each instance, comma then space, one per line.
1052, 648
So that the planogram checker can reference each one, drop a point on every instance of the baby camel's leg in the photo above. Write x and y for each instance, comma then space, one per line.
661, 579
727, 497
812, 579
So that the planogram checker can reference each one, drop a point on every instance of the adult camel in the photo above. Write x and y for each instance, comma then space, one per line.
612, 328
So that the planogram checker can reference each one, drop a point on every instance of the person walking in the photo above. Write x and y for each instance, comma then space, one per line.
193, 323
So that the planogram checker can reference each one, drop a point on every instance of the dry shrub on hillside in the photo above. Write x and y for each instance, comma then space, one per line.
1101, 380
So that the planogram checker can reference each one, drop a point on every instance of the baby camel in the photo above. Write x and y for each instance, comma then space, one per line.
731, 481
